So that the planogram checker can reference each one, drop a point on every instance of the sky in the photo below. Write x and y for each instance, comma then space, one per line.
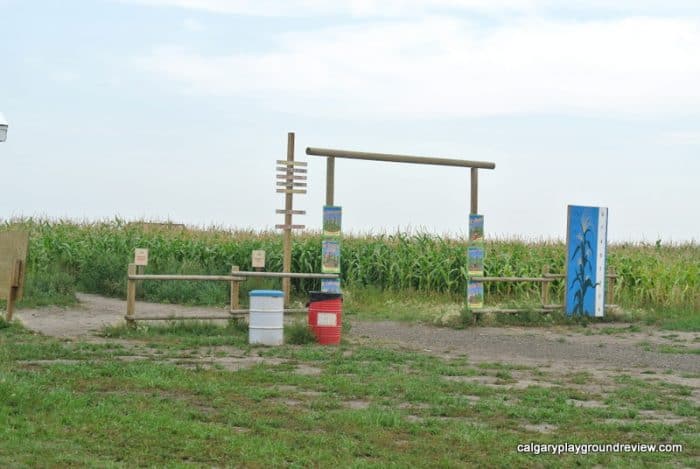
178, 109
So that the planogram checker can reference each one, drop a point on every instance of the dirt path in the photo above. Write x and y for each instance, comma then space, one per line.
556, 348
94, 312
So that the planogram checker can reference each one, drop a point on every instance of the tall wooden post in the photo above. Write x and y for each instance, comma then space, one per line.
474, 191
330, 179
287, 236
235, 290
130, 296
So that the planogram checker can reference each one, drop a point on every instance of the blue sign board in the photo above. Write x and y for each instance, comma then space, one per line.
586, 250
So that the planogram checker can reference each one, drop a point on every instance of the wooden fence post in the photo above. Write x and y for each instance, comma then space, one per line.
15, 277
611, 288
131, 296
235, 290
545, 286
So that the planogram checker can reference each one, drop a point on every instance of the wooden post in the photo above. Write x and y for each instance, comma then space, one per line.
14, 288
131, 297
235, 290
287, 235
475, 191
545, 286
611, 288
330, 179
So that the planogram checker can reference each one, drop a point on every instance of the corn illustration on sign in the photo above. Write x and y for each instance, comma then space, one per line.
586, 256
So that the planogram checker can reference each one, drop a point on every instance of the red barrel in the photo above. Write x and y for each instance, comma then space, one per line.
325, 316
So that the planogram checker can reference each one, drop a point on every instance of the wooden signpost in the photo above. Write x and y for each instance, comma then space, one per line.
13, 257
291, 179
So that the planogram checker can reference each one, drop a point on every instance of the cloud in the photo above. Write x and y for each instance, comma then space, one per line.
442, 67
405, 8
64, 76
682, 137
357, 8
192, 25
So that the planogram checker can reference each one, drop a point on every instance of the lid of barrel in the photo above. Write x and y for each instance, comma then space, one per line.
270, 293
323, 296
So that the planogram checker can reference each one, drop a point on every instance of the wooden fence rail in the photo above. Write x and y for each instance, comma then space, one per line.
235, 278
546, 279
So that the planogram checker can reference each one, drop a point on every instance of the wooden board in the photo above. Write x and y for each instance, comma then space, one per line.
291, 184
293, 227
291, 177
258, 259
292, 212
13, 246
291, 170
291, 191
141, 256
291, 163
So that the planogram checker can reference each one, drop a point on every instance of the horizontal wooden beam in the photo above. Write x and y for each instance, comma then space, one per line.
291, 184
360, 155
291, 177
292, 227
511, 279
284, 170
550, 307
508, 311
232, 314
291, 163
293, 212
291, 191
178, 318
229, 278
562, 275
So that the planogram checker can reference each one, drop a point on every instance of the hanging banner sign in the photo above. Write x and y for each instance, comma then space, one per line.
475, 260
330, 256
475, 295
476, 228
332, 216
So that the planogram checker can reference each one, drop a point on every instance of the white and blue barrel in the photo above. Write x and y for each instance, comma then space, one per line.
266, 323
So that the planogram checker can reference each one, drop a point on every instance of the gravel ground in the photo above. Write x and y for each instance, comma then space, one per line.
541, 346
558, 347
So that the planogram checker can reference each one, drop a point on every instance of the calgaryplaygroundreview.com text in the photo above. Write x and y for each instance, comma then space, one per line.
590, 448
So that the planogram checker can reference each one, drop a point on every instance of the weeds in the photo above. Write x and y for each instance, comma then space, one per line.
299, 333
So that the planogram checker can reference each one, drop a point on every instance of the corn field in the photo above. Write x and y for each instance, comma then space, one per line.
93, 257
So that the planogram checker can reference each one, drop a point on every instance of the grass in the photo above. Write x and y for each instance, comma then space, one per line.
668, 348
304, 405
299, 333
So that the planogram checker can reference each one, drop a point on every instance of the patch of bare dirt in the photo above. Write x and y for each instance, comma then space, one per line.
356, 404
587, 360
555, 347
540, 427
307, 370
226, 363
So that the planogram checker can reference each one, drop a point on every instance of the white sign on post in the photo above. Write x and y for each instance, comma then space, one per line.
141, 256
258, 259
